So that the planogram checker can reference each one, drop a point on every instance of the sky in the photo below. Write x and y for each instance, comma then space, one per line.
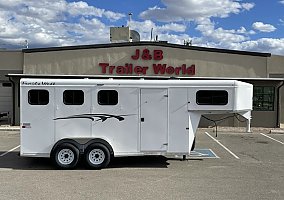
248, 25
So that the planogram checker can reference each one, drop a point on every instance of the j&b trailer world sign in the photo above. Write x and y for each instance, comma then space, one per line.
159, 67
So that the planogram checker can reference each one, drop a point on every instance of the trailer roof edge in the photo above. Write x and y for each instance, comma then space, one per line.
136, 77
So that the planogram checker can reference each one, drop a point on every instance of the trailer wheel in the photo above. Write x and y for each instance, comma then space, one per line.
97, 156
66, 156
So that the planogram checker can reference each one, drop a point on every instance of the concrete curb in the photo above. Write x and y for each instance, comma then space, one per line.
275, 131
9, 128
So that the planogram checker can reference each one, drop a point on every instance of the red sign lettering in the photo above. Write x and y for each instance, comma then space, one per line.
136, 55
147, 55
162, 69
158, 55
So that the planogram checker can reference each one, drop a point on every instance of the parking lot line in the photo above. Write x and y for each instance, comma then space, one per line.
222, 146
271, 138
3, 154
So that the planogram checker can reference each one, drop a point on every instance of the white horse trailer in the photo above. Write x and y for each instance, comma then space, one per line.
100, 118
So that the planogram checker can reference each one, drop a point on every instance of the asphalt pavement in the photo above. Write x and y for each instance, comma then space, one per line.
247, 166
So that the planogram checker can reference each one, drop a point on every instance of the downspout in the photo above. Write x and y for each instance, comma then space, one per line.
278, 105
14, 100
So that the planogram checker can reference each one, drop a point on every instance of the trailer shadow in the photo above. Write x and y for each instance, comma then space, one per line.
140, 162
13, 161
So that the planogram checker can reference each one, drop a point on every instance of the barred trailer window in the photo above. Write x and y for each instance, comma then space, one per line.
38, 97
108, 97
73, 97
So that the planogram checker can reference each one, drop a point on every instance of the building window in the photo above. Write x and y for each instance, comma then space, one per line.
211, 97
73, 97
38, 97
263, 98
7, 84
108, 97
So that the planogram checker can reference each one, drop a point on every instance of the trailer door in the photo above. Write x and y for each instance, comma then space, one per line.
73, 105
37, 122
154, 119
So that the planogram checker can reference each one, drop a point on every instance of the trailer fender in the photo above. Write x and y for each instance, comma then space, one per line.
83, 143
101, 141
70, 141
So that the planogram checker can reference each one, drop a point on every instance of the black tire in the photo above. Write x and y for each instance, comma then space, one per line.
65, 156
97, 156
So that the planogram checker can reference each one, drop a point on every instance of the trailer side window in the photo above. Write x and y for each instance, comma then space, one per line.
38, 97
108, 97
73, 97
212, 97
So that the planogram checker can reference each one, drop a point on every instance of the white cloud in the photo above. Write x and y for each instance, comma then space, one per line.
219, 36
260, 26
270, 45
248, 6
173, 27
53, 23
59, 23
238, 39
147, 25
82, 8
194, 9
171, 32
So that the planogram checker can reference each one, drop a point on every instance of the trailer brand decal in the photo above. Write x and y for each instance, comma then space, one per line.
38, 83
146, 55
101, 117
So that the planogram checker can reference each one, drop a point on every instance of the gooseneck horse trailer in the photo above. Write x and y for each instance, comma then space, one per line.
98, 119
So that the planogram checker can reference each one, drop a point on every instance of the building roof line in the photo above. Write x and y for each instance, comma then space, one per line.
146, 43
